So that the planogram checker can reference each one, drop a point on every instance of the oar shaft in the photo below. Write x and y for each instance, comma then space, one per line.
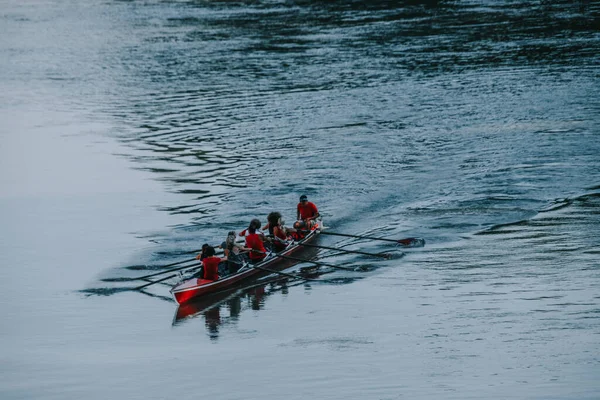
315, 262
401, 241
282, 273
358, 237
166, 271
344, 250
155, 282
178, 263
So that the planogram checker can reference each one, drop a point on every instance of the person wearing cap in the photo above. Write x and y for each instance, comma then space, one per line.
306, 214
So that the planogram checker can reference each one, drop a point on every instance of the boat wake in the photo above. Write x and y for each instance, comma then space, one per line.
560, 212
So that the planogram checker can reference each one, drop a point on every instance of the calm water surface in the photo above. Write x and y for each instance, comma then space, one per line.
132, 132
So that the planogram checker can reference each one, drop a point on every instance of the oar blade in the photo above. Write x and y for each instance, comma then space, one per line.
412, 242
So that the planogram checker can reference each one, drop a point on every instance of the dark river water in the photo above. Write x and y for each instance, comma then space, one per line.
134, 131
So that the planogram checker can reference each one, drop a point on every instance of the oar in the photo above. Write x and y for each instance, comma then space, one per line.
155, 282
167, 271
315, 262
282, 273
405, 242
154, 274
382, 255
178, 262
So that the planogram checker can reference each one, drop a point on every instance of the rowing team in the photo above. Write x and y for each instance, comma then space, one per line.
256, 242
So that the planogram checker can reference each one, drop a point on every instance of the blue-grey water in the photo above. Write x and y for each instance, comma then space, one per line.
134, 131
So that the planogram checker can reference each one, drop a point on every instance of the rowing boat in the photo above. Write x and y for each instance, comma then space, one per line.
196, 287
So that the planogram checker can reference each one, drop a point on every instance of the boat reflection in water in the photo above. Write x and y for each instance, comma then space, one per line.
224, 308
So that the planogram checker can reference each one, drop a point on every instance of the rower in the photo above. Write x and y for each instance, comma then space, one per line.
255, 245
211, 264
306, 214
278, 231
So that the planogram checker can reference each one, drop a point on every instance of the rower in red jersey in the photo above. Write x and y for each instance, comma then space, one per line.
279, 233
306, 215
210, 264
255, 245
